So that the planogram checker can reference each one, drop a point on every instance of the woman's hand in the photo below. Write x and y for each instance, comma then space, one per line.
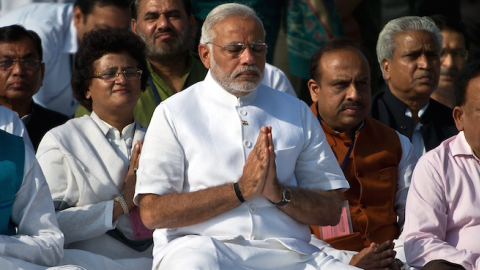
130, 182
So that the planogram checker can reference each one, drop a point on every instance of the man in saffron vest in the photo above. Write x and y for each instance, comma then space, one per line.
376, 160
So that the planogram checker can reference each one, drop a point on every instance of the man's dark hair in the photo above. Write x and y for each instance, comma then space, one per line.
335, 44
187, 6
16, 32
97, 43
447, 23
469, 72
86, 6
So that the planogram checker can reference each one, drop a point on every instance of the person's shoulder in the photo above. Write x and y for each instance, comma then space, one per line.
37, 14
51, 115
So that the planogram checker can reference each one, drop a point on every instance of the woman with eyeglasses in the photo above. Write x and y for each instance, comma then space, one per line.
90, 162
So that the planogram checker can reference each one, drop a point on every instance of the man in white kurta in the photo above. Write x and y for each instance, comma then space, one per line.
37, 242
199, 144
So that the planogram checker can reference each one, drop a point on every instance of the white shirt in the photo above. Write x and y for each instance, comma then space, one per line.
54, 24
8, 5
197, 140
10, 122
38, 240
275, 78
417, 138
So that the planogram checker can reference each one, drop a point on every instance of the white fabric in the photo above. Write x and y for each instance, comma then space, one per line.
274, 78
121, 143
8, 5
404, 175
54, 24
417, 138
196, 140
10, 122
38, 240
85, 173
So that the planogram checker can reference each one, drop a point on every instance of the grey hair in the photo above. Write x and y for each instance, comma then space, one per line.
386, 40
221, 13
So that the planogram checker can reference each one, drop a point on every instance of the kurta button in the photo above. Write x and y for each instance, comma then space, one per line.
368, 234
403, 127
363, 205
253, 208
347, 144
247, 144
242, 112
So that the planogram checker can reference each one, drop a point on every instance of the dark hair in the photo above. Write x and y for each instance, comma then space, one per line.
447, 23
97, 43
86, 6
469, 72
16, 32
335, 44
187, 6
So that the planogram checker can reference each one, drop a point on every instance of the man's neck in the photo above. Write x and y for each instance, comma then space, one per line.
22, 107
446, 96
171, 71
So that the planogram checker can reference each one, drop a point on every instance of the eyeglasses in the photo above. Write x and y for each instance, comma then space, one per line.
236, 49
27, 63
457, 54
129, 74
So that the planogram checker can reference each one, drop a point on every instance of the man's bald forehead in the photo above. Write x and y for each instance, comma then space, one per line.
134, 7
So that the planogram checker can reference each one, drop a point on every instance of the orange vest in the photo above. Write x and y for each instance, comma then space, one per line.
371, 171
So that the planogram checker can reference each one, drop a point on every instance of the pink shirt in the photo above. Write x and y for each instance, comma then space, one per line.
443, 206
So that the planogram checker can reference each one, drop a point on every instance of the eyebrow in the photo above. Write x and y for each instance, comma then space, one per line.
28, 55
157, 13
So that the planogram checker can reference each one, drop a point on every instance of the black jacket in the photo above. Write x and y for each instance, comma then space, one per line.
41, 121
437, 121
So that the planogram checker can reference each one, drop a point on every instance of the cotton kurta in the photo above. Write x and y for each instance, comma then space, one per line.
442, 214
201, 138
38, 241
85, 173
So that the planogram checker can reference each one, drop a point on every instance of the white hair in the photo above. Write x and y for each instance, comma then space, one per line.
386, 40
221, 13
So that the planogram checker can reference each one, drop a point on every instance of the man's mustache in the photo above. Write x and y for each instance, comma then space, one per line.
449, 71
352, 104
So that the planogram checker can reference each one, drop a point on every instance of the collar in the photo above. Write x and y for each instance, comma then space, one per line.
71, 40
218, 93
158, 80
111, 132
331, 131
420, 112
460, 146
394, 104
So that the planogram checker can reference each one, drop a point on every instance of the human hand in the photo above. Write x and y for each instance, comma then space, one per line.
272, 190
131, 179
376, 257
255, 170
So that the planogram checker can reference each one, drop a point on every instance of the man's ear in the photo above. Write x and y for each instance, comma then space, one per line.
314, 89
78, 17
204, 53
133, 24
458, 117
386, 68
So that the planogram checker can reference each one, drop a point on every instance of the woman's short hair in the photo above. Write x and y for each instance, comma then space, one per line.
97, 43
386, 40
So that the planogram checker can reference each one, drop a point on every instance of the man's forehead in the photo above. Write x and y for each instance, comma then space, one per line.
160, 6
235, 29
21, 47
344, 60
415, 40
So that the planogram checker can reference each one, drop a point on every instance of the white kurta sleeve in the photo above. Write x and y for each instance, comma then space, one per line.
404, 175
76, 222
38, 240
316, 166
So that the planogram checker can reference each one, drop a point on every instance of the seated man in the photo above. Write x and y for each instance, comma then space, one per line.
22, 70
442, 217
376, 160
29, 233
408, 51
219, 185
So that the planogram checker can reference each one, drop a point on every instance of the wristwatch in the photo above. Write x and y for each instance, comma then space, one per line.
286, 197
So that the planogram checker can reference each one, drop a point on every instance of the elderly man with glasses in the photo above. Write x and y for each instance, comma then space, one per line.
232, 171
21, 76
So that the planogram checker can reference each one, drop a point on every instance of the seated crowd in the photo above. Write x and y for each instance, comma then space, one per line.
233, 171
